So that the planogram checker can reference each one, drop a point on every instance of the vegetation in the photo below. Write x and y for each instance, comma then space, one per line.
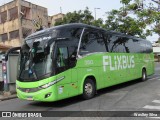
134, 18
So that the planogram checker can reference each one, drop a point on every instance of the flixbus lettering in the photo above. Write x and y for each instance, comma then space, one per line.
118, 62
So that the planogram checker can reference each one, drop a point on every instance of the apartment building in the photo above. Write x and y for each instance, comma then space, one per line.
54, 18
18, 19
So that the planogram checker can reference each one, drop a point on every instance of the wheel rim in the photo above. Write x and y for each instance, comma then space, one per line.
88, 88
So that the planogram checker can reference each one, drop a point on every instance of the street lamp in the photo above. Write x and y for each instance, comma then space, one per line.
95, 11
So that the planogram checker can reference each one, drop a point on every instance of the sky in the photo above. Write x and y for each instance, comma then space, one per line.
72, 5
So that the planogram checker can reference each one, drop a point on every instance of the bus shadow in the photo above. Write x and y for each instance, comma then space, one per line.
78, 99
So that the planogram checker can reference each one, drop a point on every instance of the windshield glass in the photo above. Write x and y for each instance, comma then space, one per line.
34, 63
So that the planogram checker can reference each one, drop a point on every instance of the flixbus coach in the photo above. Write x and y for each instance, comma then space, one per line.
78, 59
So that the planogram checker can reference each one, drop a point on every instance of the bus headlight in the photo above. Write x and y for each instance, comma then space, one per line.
51, 83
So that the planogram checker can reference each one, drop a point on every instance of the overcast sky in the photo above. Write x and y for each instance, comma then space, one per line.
72, 5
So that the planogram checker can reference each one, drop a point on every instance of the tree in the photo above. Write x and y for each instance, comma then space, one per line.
134, 18
77, 17
98, 23
81, 16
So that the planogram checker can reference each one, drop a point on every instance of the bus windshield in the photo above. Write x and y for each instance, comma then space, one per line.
34, 63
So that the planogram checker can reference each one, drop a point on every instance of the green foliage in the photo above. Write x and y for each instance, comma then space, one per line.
98, 23
132, 19
125, 2
77, 17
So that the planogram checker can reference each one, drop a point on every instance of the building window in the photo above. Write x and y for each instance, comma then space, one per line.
14, 34
3, 37
26, 12
13, 13
3, 17
26, 32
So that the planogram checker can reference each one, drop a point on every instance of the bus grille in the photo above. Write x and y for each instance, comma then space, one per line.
29, 90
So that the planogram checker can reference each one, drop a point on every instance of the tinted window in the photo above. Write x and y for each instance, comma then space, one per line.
106, 40
139, 46
149, 48
118, 44
133, 45
123, 44
92, 41
62, 57
73, 33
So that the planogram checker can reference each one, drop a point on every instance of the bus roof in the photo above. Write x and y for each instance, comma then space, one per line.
49, 30
81, 25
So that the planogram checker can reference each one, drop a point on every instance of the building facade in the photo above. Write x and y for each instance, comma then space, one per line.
53, 19
18, 19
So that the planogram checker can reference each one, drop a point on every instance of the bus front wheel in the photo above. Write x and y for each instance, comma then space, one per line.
144, 75
89, 89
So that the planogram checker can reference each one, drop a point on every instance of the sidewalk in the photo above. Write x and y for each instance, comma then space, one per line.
7, 96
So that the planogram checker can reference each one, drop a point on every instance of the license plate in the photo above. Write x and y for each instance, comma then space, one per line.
29, 98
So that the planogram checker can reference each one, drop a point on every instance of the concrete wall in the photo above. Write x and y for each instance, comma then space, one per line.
13, 42
9, 26
55, 18
36, 12
23, 23
9, 5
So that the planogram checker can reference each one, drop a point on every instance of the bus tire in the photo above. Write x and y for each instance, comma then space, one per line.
144, 75
89, 89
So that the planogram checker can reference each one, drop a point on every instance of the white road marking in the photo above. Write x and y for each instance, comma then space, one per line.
155, 117
152, 107
156, 101
154, 78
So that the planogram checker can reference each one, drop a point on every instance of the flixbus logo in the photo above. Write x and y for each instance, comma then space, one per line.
118, 62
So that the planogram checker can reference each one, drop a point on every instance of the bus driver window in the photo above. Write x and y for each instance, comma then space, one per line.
62, 57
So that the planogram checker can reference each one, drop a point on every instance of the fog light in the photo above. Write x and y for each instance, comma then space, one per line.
47, 95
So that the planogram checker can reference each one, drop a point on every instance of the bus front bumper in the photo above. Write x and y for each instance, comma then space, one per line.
45, 95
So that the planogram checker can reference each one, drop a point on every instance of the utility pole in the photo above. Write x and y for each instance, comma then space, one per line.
61, 10
95, 11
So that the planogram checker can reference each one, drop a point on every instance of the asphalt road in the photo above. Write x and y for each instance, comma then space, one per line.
130, 96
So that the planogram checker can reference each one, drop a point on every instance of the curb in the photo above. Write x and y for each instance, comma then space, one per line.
8, 98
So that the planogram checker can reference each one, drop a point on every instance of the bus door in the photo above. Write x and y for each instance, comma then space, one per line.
63, 70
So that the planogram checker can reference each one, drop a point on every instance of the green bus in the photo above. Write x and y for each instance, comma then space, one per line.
78, 59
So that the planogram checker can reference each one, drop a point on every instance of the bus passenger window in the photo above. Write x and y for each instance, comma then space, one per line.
62, 57
92, 42
118, 44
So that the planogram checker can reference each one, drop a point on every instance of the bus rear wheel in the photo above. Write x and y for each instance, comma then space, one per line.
89, 89
144, 75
